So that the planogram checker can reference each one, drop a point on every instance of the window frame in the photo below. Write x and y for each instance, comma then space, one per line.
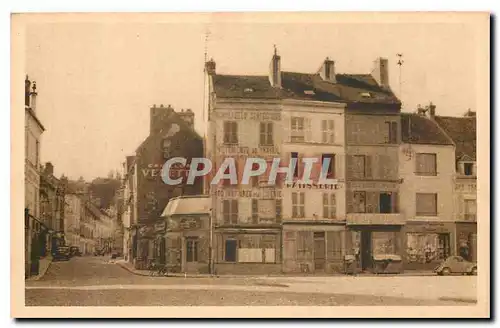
431, 214
423, 173
297, 129
266, 134
230, 133
298, 205
194, 249
330, 206
328, 131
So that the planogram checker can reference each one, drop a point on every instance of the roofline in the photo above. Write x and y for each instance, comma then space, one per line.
32, 113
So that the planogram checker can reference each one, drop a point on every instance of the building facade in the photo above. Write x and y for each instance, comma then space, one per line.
462, 130
73, 218
171, 135
33, 129
427, 161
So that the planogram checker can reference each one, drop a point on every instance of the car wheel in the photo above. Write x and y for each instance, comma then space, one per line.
473, 272
445, 271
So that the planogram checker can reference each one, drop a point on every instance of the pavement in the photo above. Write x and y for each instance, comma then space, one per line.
99, 281
43, 267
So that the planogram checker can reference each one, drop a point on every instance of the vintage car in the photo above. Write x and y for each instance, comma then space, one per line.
75, 251
62, 253
456, 265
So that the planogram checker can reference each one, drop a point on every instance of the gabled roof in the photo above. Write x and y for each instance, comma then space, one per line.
418, 129
358, 88
462, 130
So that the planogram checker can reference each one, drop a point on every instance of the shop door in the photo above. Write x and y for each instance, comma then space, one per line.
366, 250
319, 251
443, 246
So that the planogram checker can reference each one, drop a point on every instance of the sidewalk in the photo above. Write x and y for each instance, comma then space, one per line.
129, 267
44, 266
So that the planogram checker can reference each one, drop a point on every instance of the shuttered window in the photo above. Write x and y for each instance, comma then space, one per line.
297, 129
329, 206
426, 204
328, 131
298, 204
266, 134
230, 132
230, 211
426, 164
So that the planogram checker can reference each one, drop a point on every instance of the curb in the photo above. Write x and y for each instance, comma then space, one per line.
42, 273
125, 267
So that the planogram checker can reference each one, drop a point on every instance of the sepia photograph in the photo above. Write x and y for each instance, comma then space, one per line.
250, 165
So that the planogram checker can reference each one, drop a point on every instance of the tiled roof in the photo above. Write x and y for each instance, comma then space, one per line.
463, 132
418, 129
360, 88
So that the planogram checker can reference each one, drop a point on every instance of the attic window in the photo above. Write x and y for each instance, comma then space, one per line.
309, 92
365, 95
248, 90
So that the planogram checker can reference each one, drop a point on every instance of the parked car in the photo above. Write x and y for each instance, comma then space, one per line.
456, 265
99, 252
62, 253
75, 251
116, 254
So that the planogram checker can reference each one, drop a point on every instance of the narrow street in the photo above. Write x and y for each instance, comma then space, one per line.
97, 281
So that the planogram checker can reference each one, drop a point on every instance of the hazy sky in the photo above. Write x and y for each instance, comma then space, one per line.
97, 81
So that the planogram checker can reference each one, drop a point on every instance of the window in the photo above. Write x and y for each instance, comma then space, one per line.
230, 250
361, 166
468, 168
230, 211
297, 128
266, 134
385, 242
192, 249
331, 167
359, 202
296, 169
298, 204
427, 204
328, 132
329, 206
230, 132
426, 164
392, 132
427, 247
385, 202
470, 209
166, 148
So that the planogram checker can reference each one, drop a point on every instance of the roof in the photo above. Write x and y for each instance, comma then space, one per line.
462, 130
32, 113
188, 205
305, 86
418, 129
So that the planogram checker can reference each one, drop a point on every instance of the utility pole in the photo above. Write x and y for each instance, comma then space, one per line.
400, 63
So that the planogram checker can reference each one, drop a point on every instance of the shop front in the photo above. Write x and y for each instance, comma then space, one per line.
427, 244
247, 251
467, 240
313, 247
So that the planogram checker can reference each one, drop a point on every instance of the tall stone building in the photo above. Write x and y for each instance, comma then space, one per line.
33, 227
171, 135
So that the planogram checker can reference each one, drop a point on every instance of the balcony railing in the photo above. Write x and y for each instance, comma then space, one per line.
375, 219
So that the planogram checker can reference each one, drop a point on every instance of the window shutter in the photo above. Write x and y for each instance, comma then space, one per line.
279, 204
331, 127
368, 166
287, 127
303, 204
349, 201
234, 211
262, 140
270, 133
324, 131
255, 211
225, 211
308, 129
395, 202
333, 204
325, 205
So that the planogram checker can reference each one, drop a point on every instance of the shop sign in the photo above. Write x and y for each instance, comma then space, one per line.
373, 185
160, 226
189, 223
244, 115
249, 151
429, 227
259, 193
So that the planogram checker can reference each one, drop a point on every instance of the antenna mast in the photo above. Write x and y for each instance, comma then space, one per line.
400, 63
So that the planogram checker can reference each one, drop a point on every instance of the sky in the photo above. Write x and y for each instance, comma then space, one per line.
97, 80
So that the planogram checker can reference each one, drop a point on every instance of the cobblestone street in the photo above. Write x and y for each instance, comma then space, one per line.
97, 281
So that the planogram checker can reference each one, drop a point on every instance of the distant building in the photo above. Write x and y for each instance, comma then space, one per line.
34, 228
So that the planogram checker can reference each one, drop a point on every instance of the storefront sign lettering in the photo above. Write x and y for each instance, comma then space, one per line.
313, 186
246, 151
264, 193
248, 115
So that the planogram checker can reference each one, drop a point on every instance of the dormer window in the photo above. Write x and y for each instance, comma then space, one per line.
468, 169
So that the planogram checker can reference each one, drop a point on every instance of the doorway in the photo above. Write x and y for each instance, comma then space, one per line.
366, 250
319, 251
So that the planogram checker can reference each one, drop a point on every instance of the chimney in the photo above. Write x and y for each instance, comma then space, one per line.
275, 70
381, 72
432, 110
157, 115
27, 90
210, 67
188, 117
33, 96
49, 169
327, 71
470, 113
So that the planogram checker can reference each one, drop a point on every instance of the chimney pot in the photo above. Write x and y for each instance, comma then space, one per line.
210, 67
381, 72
